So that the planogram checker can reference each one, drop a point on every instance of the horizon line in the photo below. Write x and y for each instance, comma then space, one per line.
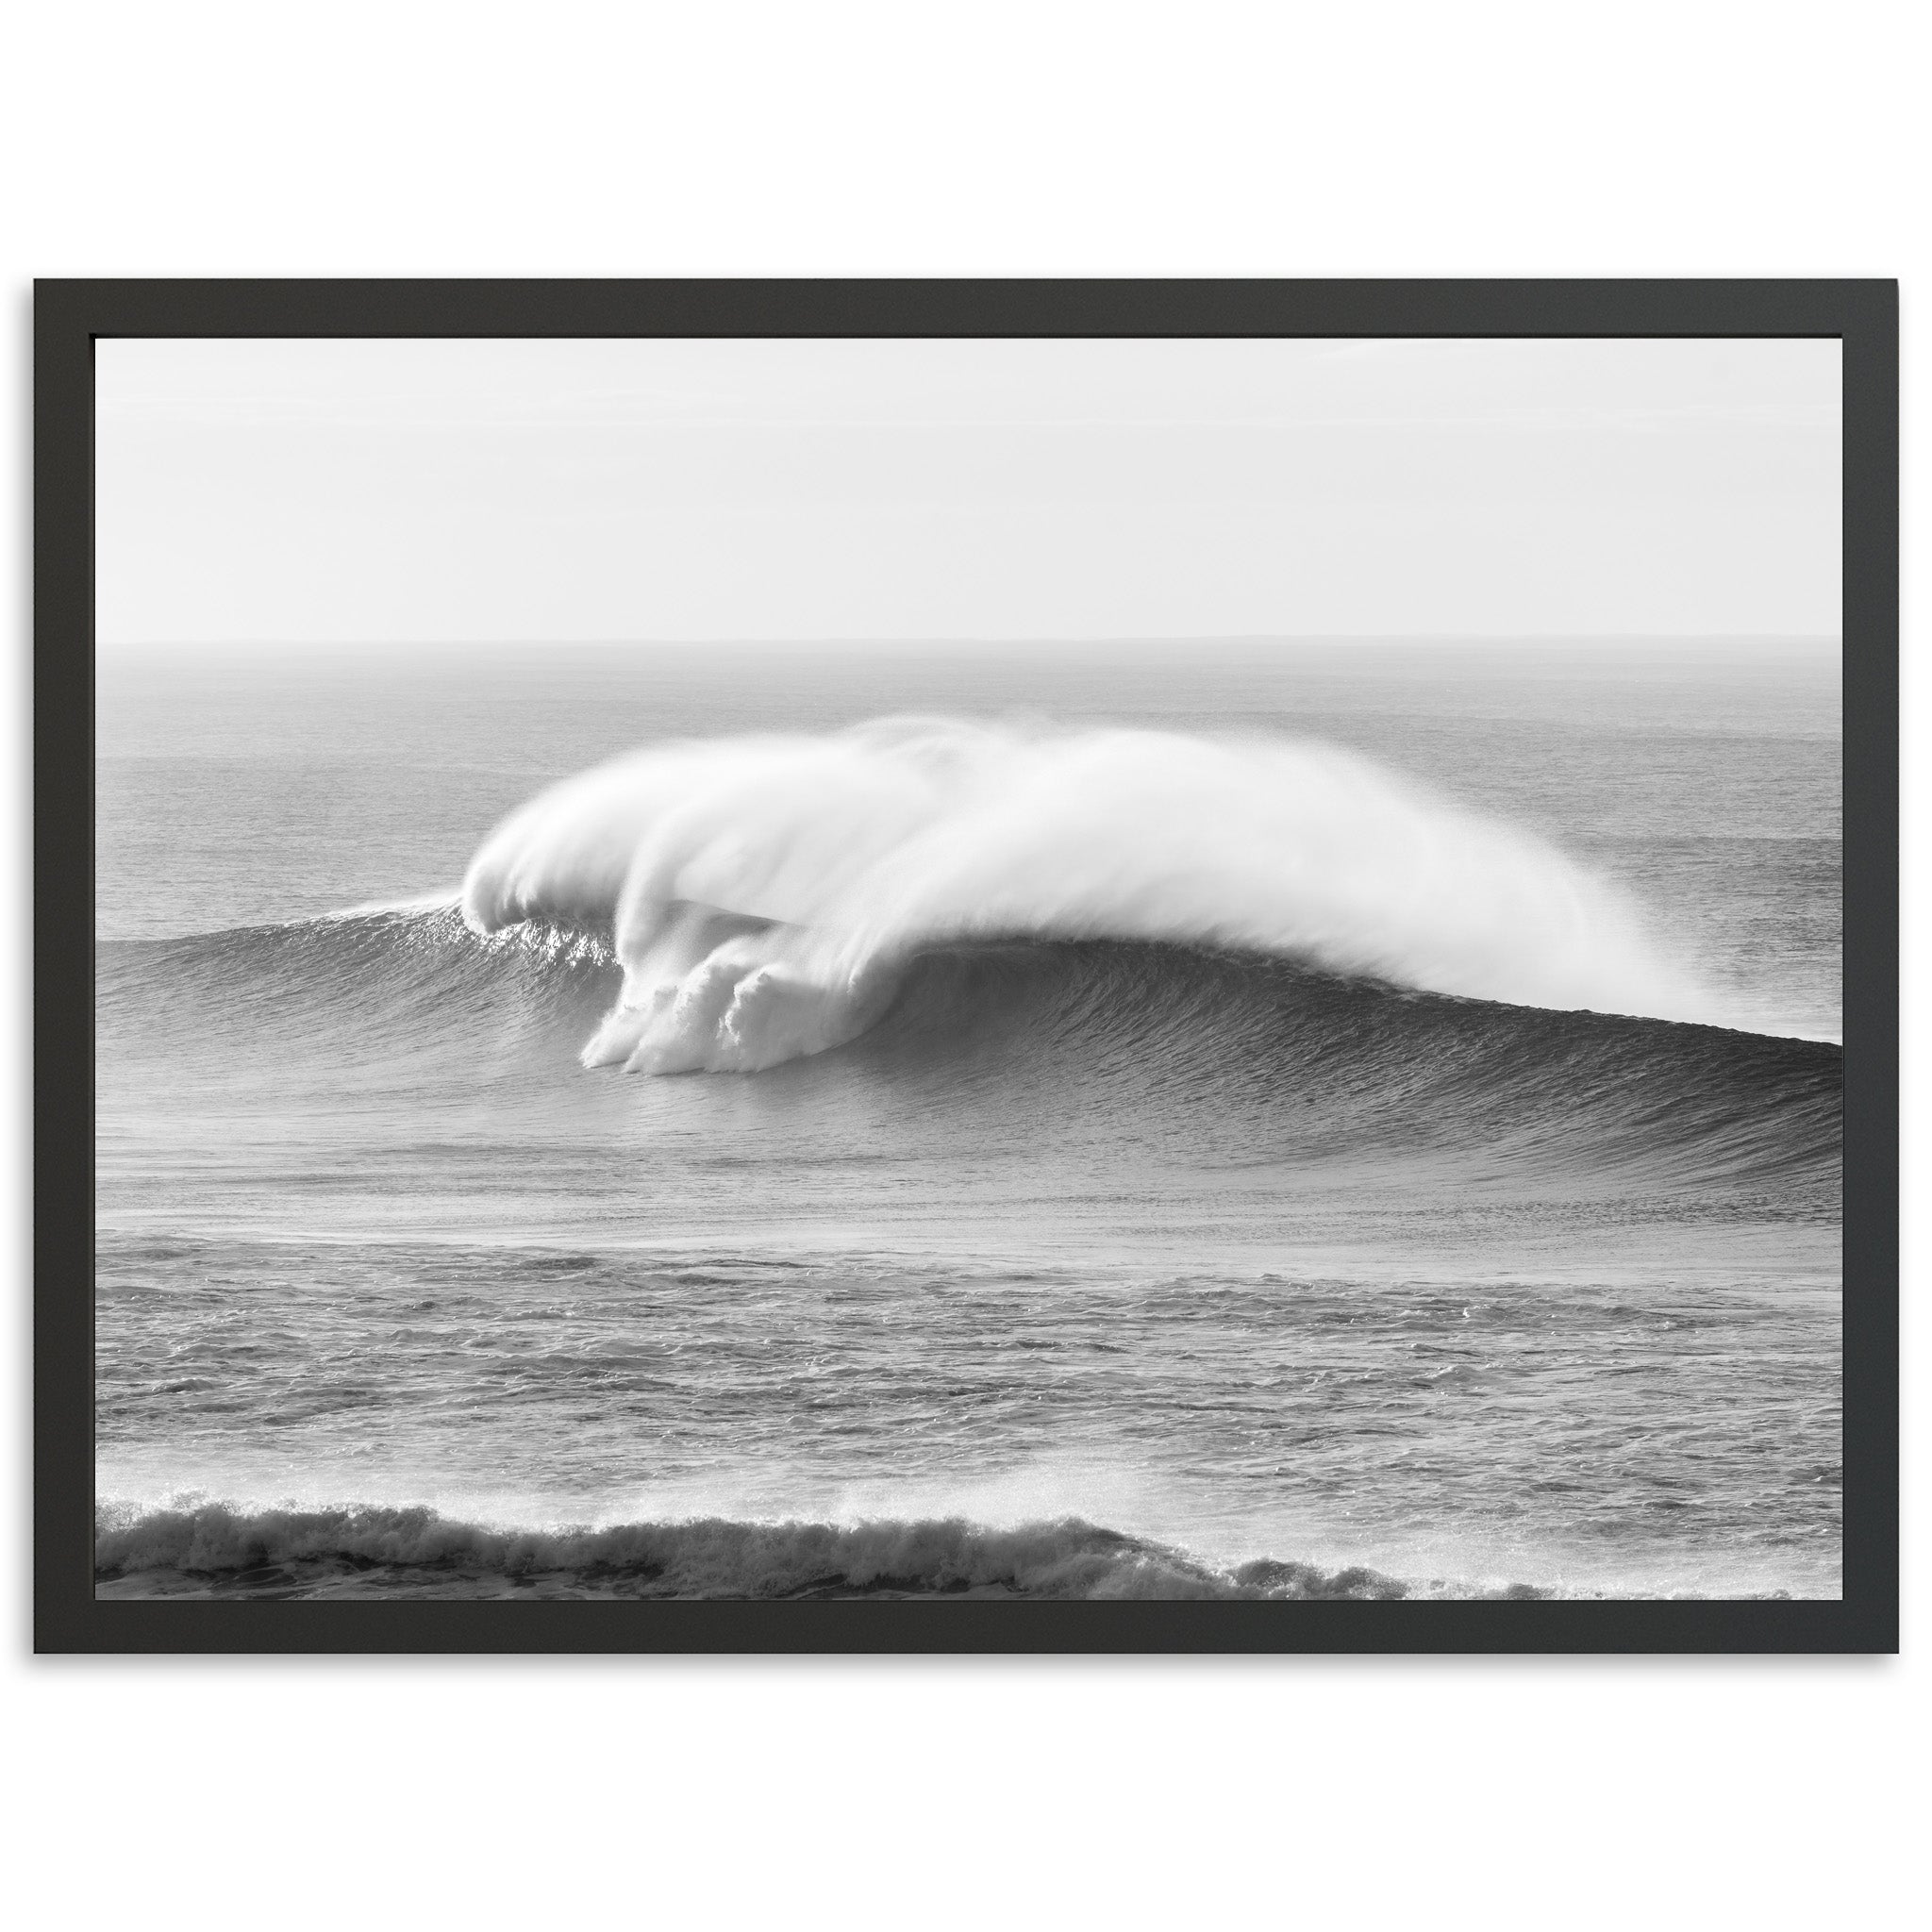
923, 641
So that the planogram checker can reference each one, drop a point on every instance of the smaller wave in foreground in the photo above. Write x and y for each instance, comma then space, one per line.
215, 1551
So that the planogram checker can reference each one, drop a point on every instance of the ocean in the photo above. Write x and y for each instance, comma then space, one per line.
1207, 1118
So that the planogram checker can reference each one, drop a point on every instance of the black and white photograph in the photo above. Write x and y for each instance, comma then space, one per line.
967, 964
1110, 969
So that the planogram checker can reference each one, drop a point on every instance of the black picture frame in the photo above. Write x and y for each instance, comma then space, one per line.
71, 315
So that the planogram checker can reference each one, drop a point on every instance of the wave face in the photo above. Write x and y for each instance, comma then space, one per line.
409, 984
1089, 1046
763, 894
1303, 1064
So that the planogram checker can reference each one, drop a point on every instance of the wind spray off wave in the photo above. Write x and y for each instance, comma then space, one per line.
764, 894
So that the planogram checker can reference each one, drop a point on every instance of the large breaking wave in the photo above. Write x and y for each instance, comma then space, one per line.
763, 895
1274, 951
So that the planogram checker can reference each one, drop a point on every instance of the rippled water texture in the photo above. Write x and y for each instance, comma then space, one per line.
1072, 1259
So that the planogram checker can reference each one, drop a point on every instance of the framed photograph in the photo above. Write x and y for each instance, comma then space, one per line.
966, 966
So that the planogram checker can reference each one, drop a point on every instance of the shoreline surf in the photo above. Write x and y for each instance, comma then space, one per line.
212, 1551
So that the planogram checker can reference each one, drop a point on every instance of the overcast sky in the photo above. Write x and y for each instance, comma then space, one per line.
318, 490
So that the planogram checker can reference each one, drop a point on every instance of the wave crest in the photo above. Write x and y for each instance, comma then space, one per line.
762, 893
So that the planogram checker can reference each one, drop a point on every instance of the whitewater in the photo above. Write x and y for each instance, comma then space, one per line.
761, 892
1242, 1126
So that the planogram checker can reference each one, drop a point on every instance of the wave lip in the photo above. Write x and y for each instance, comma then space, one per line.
761, 895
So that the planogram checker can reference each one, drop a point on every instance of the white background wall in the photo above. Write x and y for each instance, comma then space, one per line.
1033, 138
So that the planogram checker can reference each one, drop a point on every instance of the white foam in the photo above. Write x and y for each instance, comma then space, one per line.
759, 892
